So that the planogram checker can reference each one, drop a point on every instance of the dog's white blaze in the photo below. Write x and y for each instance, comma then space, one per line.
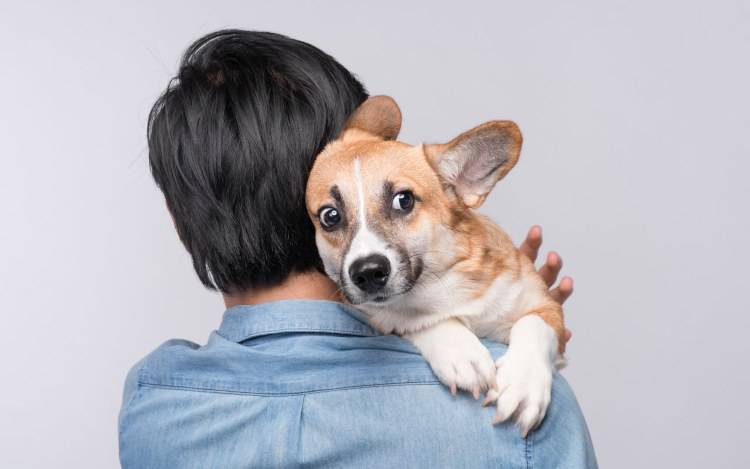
365, 241
361, 209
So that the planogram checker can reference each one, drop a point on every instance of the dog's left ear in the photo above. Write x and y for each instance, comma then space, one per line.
378, 115
476, 160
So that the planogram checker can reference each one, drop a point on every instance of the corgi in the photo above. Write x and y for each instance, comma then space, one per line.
396, 230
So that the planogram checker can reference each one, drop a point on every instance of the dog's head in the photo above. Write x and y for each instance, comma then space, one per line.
386, 213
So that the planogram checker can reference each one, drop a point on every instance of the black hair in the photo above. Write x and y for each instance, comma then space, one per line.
231, 144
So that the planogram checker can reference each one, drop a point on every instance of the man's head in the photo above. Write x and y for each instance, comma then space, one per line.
231, 143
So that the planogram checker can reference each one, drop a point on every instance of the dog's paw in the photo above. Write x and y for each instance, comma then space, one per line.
467, 366
524, 387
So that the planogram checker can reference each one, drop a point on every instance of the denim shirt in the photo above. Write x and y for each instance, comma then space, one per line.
310, 384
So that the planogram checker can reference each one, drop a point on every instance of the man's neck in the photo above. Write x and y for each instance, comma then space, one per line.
298, 286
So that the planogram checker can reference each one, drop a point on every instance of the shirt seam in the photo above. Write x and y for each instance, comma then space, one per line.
126, 408
125, 412
138, 383
291, 329
286, 394
528, 449
300, 450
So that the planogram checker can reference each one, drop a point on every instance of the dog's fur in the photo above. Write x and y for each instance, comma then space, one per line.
453, 275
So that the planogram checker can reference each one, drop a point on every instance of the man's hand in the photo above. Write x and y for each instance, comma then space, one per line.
550, 270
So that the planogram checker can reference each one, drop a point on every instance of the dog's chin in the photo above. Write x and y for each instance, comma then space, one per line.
380, 300
367, 300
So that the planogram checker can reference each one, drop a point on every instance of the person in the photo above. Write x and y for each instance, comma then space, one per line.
293, 376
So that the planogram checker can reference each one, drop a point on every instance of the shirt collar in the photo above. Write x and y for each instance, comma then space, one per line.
241, 323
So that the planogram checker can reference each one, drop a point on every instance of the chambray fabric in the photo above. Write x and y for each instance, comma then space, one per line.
310, 384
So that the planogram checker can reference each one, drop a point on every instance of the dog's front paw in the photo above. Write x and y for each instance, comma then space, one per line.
524, 386
467, 366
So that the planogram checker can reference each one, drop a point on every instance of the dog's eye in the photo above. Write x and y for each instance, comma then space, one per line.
403, 201
329, 217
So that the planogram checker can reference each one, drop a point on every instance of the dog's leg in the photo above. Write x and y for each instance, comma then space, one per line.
524, 373
456, 356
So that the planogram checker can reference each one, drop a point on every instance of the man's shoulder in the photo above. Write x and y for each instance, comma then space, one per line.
289, 364
153, 360
376, 389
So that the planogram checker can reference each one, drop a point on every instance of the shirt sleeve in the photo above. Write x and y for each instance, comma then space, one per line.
563, 439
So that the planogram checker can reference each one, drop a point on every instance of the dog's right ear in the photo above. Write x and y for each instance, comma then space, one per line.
378, 116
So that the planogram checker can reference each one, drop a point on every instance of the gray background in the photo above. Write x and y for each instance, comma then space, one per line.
636, 119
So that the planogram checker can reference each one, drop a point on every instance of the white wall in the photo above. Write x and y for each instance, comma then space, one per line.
636, 119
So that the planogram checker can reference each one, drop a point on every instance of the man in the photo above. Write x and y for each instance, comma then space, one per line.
292, 376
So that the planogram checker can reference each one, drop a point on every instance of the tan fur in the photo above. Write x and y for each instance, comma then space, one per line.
481, 251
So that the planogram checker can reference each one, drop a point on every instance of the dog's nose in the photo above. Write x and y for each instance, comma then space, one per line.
370, 273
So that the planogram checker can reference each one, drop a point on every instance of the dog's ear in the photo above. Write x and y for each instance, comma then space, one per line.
378, 116
476, 160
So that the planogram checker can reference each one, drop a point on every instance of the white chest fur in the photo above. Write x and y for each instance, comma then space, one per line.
489, 315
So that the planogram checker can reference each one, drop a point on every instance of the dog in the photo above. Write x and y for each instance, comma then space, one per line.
396, 230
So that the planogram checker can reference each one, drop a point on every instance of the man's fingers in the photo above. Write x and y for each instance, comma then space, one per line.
530, 246
567, 335
551, 268
563, 291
